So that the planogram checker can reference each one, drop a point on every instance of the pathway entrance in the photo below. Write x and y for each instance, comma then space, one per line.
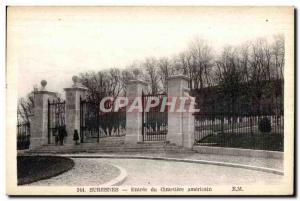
154, 121
56, 120
95, 124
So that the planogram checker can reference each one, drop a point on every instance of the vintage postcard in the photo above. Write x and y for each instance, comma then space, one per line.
150, 100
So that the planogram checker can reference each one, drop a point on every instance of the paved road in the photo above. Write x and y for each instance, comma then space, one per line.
157, 172
243, 160
144, 172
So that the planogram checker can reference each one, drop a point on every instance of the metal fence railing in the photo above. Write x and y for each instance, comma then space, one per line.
263, 132
23, 136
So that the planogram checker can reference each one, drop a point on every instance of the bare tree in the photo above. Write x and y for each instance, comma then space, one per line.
25, 108
202, 62
278, 51
165, 70
230, 77
101, 84
260, 73
125, 77
278, 59
243, 52
152, 77
185, 66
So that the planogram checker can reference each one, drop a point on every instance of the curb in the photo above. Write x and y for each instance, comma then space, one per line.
119, 179
202, 149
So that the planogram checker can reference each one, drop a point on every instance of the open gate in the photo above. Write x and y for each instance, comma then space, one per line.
154, 122
56, 119
95, 124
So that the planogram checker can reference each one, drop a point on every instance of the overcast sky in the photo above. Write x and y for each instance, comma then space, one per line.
56, 43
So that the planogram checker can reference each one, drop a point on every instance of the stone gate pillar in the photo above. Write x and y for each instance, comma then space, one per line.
134, 118
188, 121
180, 122
73, 95
39, 121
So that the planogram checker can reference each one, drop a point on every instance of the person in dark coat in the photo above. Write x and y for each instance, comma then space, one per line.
76, 136
62, 133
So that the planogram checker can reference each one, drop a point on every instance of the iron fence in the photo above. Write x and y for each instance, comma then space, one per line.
249, 131
23, 136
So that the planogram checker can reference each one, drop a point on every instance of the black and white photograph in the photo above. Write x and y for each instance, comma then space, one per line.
150, 100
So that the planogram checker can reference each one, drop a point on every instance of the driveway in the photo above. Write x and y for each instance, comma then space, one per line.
143, 172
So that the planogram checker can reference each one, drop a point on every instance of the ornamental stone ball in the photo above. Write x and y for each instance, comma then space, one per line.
43, 83
75, 79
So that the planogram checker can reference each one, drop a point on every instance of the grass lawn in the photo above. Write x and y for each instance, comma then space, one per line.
260, 141
35, 168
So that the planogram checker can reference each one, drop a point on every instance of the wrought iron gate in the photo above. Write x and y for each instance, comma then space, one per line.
89, 119
154, 122
95, 125
56, 119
